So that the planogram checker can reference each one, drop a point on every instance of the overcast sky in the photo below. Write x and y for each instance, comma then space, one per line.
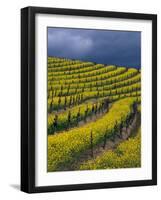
121, 48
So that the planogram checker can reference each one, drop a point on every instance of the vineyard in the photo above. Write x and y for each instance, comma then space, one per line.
94, 116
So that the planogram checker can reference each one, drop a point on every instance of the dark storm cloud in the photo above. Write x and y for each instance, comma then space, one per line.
121, 48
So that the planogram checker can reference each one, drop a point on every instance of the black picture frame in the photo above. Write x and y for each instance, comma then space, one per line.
28, 98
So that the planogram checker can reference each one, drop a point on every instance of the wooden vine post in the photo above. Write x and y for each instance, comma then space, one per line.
91, 143
105, 138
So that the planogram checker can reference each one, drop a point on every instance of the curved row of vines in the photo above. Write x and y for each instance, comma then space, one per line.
89, 103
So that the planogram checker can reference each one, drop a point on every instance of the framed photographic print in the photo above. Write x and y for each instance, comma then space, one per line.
88, 99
